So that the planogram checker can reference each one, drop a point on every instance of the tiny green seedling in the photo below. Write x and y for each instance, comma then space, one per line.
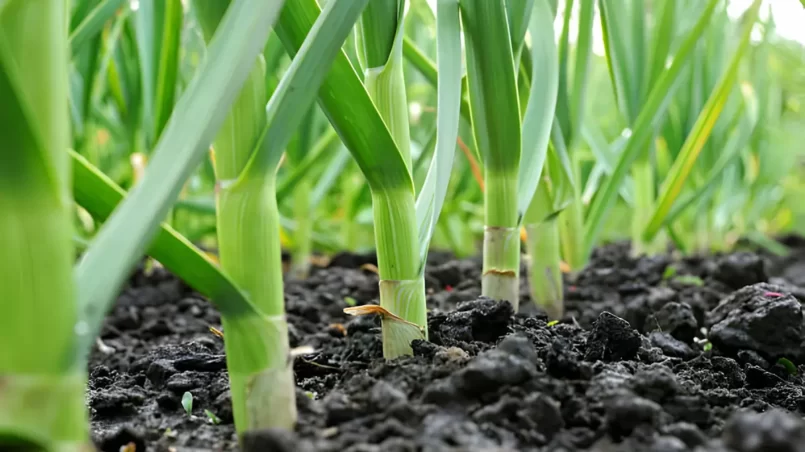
670, 272
350, 301
212, 417
708, 346
689, 280
789, 366
187, 403
553, 322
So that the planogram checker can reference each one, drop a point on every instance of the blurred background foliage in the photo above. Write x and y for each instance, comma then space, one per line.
124, 83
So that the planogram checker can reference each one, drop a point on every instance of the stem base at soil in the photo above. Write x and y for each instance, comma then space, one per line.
545, 276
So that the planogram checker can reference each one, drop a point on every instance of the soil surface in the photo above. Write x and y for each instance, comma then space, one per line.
653, 354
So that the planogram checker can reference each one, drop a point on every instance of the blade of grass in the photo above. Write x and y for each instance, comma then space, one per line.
100, 196
168, 70
431, 198
683, 165
650, 114
93, 23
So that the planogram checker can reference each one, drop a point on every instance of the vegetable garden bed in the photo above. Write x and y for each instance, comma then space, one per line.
626, 369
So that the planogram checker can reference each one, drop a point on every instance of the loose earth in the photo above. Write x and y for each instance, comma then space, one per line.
654, 354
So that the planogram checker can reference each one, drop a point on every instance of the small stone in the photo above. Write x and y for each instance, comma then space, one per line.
275, 440
671, 346
182, 382
491, 370
612, 339
482, 320
339, 408
519, 345
674, 318
656, 382
545, 413
752, 357
730, 369
159, 371
752, 319
687, 432
626, 411
384, 395
455, 432
774, 430
440, 392
740, 269
757, 378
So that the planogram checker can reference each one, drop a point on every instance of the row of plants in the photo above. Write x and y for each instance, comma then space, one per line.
166, 129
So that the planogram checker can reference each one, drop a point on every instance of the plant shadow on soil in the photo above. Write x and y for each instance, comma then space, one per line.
626, 370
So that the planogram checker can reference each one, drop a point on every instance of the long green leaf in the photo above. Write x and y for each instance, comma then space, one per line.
168, 71
739, 138
283, 112
652, 111
431, 198
347, 105
705, 122
193, 125
539, 113
100, 196
150, 25
93, 24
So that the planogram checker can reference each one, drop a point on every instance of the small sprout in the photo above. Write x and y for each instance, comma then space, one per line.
212, 417
789, 366
169, 433
350, 301
670, 272
553, 322
310, 395
689, 280
187, 402
708, 346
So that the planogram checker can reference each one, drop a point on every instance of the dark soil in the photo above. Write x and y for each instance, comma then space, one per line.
654, 354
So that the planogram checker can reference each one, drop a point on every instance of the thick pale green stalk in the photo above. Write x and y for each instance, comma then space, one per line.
545, 275
495, 111
572, 107
396, 235
41, 387
381, 36
250, 253
263, 395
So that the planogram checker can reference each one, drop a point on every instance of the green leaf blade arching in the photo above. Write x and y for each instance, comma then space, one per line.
431, 198
539, 114
100, 196
193, 125
347, 105
93, 23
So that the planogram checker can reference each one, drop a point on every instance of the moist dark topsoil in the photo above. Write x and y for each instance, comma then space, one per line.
654, 354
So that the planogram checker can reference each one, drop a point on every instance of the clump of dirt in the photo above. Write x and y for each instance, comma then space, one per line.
653, 354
